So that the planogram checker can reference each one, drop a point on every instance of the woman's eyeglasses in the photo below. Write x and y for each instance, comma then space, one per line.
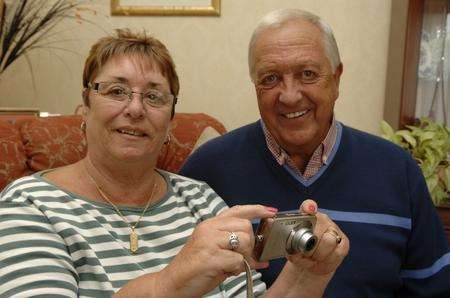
122, 93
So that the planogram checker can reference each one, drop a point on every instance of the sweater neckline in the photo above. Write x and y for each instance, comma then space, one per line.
259, 138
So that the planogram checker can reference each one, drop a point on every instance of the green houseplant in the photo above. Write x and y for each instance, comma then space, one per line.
429, 144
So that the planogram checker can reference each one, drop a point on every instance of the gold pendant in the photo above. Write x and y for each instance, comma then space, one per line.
134, 241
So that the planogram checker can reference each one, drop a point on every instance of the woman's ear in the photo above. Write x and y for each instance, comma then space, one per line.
85, 96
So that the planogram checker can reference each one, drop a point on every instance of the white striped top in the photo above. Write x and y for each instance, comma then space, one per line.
56, 243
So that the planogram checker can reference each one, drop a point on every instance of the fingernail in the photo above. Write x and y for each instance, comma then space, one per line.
272, 209
312, 208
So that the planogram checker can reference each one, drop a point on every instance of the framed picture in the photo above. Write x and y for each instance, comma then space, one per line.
166, 7
19, 111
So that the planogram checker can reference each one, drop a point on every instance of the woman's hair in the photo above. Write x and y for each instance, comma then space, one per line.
278, 18
126, 42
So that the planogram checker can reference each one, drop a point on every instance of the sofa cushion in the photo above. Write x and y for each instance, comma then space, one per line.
53, 141
12, 154
57, 141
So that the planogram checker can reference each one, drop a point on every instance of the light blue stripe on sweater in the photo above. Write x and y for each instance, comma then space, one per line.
369, 218
365, 217
427, 272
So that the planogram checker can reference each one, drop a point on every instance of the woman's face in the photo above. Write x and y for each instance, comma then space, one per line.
128, 130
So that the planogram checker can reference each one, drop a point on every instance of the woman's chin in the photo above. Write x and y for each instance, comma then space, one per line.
134, 155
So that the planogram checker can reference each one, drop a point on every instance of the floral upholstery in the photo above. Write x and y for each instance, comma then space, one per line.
53, 142
34, 144
12, 154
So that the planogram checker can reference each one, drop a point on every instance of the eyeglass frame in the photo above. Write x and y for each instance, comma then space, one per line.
95, 85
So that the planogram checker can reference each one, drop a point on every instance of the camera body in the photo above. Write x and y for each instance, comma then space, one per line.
285, 233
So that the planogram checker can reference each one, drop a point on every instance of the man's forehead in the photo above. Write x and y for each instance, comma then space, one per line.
290, 32
288, 38
295, 54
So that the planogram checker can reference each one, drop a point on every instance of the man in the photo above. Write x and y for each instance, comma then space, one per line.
373, 189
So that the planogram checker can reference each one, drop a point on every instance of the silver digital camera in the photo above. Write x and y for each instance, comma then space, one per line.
285, 233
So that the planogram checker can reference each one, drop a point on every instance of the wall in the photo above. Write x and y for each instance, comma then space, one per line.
211, 56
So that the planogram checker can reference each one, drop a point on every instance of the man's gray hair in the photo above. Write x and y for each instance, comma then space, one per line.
278, 18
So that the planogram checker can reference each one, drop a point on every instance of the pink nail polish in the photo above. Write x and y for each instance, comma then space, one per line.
272, 209
312, 208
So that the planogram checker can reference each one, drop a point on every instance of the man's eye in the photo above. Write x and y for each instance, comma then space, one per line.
269, 79
308, 75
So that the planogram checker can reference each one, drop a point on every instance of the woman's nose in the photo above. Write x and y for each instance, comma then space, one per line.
135, 106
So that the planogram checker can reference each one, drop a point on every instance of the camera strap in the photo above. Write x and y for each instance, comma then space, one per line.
248, 273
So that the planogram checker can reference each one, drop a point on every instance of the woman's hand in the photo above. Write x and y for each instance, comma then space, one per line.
207, 258
333, 245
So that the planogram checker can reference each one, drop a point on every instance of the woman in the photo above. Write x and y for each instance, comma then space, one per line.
112, 224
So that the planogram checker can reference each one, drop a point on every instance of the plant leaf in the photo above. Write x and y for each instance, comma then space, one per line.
427, 135
405, 134
386, 128
429, 144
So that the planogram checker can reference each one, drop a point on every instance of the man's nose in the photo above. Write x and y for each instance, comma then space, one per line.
291, 91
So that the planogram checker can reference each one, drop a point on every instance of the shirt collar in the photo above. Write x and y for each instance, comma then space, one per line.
281, 156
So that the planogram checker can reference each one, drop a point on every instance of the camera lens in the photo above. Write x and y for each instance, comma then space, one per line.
303, 240
310, 244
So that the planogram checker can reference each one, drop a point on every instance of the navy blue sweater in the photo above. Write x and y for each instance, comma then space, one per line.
371, 188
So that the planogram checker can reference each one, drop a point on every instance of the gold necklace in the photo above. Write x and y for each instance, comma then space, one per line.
134, 237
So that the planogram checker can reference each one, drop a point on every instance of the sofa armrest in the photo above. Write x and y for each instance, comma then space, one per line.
186, 131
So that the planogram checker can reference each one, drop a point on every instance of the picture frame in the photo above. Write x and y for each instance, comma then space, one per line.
165, 7
19, 111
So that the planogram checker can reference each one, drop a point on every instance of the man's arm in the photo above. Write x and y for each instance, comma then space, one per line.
426, 267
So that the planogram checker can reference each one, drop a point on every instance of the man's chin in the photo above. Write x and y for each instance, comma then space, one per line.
297, 141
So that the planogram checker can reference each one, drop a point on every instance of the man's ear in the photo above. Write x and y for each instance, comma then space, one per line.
338, 73
337, 79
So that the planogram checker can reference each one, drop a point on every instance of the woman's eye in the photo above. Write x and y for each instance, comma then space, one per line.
116, 91
152, 96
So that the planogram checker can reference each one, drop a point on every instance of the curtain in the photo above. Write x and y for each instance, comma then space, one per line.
433, 86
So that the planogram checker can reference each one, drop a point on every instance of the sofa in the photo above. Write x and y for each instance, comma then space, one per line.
31, 143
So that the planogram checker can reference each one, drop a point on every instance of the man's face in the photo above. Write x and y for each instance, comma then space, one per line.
295, 85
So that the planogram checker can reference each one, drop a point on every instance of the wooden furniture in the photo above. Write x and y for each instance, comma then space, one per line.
410, 79
444, 213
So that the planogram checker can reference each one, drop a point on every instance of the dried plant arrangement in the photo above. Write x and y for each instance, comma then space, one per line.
30, 24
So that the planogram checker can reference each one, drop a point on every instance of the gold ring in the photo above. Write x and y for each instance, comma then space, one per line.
332, 231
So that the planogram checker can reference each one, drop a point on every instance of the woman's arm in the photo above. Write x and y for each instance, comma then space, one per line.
33, 257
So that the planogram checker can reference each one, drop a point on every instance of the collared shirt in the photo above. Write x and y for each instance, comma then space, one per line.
318, 158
